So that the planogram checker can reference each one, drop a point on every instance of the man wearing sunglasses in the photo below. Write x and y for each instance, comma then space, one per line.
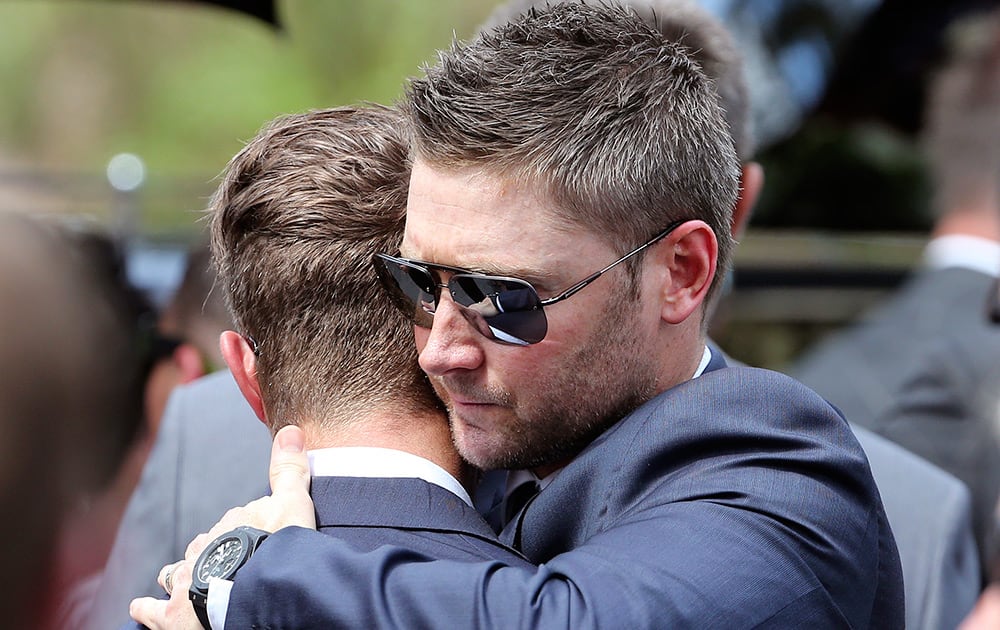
573, 173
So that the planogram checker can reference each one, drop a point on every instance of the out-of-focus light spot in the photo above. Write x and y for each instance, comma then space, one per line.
126, 172
805, 65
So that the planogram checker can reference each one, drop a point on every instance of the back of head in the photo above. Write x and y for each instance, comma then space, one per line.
961, 132
295, 222
587, 102
706, 39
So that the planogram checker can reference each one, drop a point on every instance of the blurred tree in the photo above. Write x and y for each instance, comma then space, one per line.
183, 84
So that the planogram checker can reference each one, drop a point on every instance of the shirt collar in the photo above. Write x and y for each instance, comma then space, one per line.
706, 358
369, 461
967, 252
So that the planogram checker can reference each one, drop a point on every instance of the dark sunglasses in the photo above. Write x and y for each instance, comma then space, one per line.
504, 309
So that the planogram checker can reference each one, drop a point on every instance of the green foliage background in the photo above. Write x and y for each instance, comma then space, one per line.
184, 85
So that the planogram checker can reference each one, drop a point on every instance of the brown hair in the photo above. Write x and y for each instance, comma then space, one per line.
962, 127
706, 39
620, 128
295, 222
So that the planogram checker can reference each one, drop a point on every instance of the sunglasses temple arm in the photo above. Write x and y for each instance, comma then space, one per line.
594, 276
576, 287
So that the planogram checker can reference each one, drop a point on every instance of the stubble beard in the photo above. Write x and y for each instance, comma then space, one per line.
608, 376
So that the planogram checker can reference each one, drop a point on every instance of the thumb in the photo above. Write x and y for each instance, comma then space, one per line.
289, 470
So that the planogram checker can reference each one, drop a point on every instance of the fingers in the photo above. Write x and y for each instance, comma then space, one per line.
150, 612
196, 546
289, 470
182, 580
177, 613
165, 577
289, 503
253, 514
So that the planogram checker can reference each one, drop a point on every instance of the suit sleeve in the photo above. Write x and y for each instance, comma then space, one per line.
768, 520
300, 578
699, 564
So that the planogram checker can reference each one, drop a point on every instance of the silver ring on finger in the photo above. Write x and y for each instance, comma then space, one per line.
168, 583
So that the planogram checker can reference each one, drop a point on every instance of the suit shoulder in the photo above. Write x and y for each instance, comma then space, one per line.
758, 386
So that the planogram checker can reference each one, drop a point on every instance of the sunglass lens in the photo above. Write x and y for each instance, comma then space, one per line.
410, 287
511, 308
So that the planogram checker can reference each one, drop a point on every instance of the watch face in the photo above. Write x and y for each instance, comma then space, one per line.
222, 560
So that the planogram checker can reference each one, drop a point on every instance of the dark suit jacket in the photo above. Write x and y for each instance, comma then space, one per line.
930, 513
739, 499
923, 370
861, 368
946, 411
419, 518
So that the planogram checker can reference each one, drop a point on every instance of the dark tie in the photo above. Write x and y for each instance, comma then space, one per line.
518, 498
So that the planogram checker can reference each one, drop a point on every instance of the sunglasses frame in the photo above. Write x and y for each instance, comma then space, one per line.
428, 267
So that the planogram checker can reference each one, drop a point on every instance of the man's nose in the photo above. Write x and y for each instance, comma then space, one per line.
453, 342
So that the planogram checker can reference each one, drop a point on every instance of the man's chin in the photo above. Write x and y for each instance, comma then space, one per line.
477, 445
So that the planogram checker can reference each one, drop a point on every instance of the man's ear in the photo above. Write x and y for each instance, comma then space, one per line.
242, 362
189, 362
751, 183
688, 256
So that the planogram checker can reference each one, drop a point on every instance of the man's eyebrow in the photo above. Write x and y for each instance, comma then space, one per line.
537, 277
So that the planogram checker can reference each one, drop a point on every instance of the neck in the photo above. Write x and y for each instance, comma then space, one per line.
982, 220
680, 356
423, 434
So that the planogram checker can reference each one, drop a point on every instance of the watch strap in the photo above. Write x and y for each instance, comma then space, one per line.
202, 612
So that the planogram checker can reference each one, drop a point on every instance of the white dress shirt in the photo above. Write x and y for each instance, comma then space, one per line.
967, 252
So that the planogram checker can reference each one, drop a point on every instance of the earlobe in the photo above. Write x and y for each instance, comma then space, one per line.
242, 362
691, 256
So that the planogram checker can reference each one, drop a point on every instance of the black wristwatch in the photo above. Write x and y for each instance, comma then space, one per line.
222, 558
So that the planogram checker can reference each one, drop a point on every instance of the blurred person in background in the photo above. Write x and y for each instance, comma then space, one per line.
210, 454
174, 347
69, 379
923, 368
189, 328
206, 452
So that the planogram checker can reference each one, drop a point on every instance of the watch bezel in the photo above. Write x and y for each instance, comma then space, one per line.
249, 539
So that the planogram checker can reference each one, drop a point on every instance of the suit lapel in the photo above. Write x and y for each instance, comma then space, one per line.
488, 497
